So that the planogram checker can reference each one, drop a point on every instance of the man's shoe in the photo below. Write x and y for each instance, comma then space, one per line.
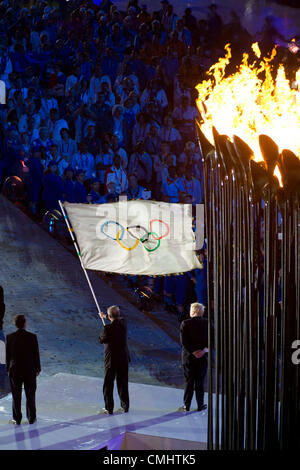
14, 422
104, 411
183, 408
202, 407
32, 421
122, 410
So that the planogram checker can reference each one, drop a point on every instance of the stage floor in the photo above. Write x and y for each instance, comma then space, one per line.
68, 419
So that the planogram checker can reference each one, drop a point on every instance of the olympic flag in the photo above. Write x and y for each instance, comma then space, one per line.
135, 237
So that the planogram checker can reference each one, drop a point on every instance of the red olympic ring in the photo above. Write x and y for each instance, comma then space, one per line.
165, 224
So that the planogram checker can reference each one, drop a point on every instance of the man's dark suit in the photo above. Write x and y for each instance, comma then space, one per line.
194, 336
116, 358
22, 365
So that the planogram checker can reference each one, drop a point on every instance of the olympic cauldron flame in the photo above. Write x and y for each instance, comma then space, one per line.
262, 111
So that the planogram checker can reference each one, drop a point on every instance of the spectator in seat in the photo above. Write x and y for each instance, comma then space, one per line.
43, 139
79, 188
169, 19
101, 113
184, 118
68, 185
117, 175
84, 160
176, 45
190, 22
48, 102
103, 161
111, 195
214, 26
109, 64
159, 37
116, 148
119, 128
152, 143
94, 196
66, 146
140, 163
53, 187
105, 87
184, 33
190, 156
72, 79
55, 125
95, 84
140, 129
154, 92
169, 134
116, 41
143, 37
192, 186
134, 191
171, 186
93, 143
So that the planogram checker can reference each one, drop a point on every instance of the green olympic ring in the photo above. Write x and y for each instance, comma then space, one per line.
157, 239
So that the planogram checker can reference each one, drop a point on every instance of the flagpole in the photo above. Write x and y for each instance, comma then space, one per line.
80, 259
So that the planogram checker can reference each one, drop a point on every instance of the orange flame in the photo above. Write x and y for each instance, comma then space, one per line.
246, 105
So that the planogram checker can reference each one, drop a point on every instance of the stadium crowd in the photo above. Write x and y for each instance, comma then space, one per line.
101, 103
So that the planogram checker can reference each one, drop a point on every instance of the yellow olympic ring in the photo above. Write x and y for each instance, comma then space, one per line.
123, 246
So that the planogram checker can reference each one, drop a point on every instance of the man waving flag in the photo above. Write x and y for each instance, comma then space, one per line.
135, 237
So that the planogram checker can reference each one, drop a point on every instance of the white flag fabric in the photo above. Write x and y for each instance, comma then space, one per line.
135, 237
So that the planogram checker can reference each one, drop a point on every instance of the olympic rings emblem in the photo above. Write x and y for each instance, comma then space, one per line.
149, 239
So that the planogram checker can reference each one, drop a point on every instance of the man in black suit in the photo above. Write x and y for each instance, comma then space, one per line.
116, 358
23, 366
194, 341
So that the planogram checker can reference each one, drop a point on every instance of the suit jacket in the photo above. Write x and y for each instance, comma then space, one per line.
114, 338
193, 336
22, 354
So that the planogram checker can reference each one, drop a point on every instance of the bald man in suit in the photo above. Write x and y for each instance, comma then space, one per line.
194, 341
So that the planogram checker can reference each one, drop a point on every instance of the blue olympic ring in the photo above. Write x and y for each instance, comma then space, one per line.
112, 222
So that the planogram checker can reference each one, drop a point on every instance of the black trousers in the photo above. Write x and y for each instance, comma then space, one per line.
120, 373
194, 374
16, 390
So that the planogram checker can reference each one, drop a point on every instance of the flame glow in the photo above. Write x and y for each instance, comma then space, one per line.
251, 102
